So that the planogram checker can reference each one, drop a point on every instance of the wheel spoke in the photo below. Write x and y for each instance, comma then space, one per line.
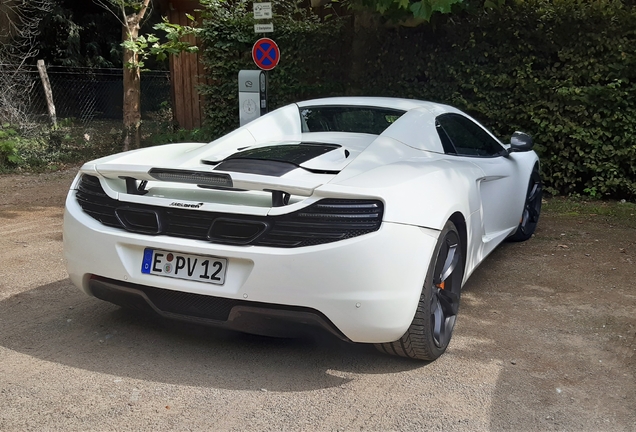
442, 324
438, 321
449, 302
533, 194
452, 258
530, 212
524, 218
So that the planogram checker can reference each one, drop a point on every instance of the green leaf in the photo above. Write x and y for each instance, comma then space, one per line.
443, 6
403, 4
422, 9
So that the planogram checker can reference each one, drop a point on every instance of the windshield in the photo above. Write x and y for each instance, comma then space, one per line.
358, 119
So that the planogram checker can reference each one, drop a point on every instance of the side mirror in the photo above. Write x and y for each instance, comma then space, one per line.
520, 142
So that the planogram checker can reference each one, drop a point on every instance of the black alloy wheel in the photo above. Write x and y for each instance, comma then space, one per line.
531, 209
446, 291
431, 330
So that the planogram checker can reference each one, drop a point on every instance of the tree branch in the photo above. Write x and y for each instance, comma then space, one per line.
19, 27
143, 9
106, 4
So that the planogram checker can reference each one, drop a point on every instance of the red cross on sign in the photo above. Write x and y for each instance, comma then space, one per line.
265, 54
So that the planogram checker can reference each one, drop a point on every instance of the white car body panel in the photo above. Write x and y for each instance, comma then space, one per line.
420, 120
367, 286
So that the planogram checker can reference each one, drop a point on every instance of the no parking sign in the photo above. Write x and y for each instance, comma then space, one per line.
265, 54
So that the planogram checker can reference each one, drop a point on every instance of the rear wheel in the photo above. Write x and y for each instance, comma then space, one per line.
531, 209
434, 321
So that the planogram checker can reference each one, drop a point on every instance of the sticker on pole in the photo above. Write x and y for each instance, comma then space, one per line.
265, 54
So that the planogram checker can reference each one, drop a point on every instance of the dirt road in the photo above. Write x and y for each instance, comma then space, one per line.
546, 340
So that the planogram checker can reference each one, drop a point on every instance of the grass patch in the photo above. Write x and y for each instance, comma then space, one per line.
618, 212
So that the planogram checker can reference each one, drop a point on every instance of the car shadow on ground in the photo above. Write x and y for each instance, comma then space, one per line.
58, 323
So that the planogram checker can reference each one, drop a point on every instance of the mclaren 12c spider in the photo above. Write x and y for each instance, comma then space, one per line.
362, 216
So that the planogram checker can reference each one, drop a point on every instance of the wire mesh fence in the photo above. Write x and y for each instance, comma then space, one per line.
86, 95
89, 111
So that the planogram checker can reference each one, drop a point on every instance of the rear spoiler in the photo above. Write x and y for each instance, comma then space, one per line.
137, 177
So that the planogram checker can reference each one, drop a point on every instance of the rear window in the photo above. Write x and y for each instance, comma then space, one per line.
369, 120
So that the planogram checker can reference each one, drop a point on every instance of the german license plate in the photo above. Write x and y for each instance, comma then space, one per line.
184, 266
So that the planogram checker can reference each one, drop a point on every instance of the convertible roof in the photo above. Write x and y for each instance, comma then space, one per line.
384, 102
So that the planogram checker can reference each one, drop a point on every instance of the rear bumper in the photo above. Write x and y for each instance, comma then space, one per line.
240, 315
366, 289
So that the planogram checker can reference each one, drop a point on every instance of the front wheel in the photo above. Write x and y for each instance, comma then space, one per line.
430, 332
531, 209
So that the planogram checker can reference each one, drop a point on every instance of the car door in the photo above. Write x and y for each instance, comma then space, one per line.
499, 186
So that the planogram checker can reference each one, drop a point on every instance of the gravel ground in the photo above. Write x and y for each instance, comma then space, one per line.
545, 340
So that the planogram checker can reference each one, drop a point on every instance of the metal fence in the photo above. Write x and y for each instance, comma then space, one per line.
88, 94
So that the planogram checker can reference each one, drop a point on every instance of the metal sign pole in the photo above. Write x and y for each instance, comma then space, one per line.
264, 104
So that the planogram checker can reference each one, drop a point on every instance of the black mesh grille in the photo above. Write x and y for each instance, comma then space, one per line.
96, 203
197, 305
325, 221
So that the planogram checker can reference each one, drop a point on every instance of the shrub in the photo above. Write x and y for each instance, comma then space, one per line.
46, 148
8, 146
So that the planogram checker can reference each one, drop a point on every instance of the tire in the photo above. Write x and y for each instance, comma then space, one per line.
531, 209
430, 332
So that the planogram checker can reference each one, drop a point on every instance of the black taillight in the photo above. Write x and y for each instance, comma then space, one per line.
324, 221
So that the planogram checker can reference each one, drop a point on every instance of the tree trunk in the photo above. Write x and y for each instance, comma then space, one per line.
132, 89
46, 84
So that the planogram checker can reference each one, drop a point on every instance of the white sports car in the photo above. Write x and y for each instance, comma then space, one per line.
363, 216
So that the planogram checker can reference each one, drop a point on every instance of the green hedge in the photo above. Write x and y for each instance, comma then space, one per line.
561, 70
311, 62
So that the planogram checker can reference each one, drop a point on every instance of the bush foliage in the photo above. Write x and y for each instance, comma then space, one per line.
562, 70
46, 148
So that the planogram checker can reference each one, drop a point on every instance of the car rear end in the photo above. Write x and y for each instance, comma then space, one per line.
247, 255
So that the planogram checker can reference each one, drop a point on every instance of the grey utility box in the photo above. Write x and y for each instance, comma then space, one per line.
252, 95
